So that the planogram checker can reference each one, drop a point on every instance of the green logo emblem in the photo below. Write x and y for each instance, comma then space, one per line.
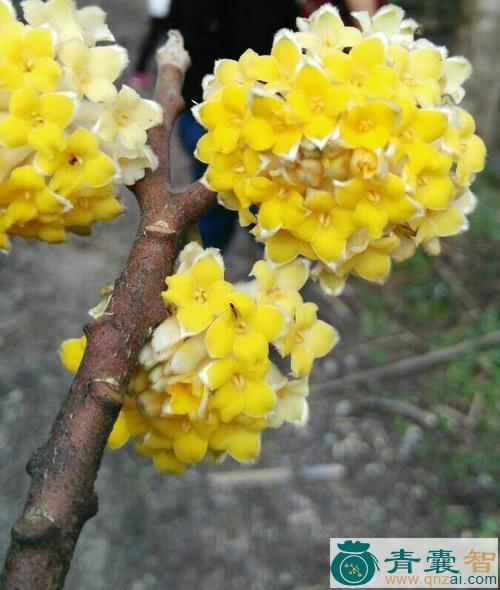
354, 565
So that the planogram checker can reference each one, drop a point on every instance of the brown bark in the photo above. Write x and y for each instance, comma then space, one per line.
479, 41
63, 470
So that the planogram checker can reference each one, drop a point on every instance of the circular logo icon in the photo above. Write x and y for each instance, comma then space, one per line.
354, 565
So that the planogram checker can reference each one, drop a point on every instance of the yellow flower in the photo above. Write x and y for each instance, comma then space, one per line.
199, 293
306, 339
420, 71
279, 285
165, 461
87, 24
10, 158
229, 200
185, 360
80, 164
418, 126
330, 280
189, 438
428, 173
324, 31
327, 226
129, 423
27, 59
456, 70
364, 69
270, 125
131, 164
440, 224
190, 447
280, 206
239, 388
71, 352
7, 13
291, 400
229, 172
224, 117
244, 329
240, 438
128, 118
5, 246
50, 230
228, 72
93, 204
468, 149
373, 263
37, 120
364, 163
119, 435
250, 68
388, 21
368, 125
26, 198
92, 21
186, 398
316, 103
92, 71
283, 247
278, 70
59, 14
376, 202
181, 405
163, 343
339, 152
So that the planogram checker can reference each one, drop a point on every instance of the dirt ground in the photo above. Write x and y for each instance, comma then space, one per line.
153, 531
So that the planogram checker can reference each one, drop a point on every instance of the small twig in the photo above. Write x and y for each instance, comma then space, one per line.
475, 410
409, 443
391, 340
277, 475
360, 405
450, 413
63, 470
412, 364
340, 308
453, 281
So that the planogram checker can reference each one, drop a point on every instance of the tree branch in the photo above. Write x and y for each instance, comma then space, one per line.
63, 470
413, 364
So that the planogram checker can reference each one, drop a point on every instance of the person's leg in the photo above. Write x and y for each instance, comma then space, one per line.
218, 226
150, 42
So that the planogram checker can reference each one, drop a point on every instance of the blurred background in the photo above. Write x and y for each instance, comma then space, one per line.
402, 453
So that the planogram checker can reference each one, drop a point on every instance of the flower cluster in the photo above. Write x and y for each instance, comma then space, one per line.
344, 145
67, 136
205, 385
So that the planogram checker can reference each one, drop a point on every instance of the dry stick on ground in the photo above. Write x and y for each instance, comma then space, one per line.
412, 364
63, 471
277, 475
361, 404
451, 278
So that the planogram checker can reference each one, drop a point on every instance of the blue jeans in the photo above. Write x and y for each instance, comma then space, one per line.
217, 227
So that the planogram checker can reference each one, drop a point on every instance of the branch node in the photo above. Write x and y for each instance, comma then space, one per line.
107, 393
36, 461
173, 52
92, 506
161, 227
35, 527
